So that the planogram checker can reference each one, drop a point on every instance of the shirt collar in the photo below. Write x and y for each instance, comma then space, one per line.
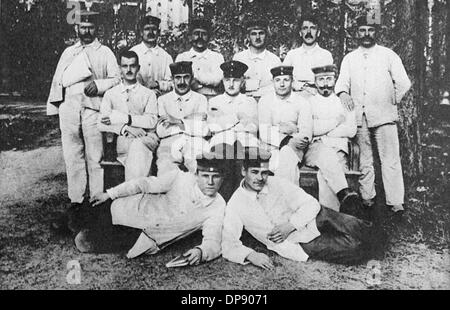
367, 51
229, 99
185, 97
130, 88
288, 99
95, 44
304, 50
252, 194
198, 55
153, 50
260, 56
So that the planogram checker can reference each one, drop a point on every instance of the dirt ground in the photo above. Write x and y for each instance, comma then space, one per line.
33, 191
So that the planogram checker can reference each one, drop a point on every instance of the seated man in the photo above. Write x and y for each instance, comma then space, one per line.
233, 117
130, 110
285, 125
160, 210
288, 221
182, 125
333, 125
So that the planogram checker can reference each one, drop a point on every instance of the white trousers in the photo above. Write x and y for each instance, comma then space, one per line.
386, 137
135, 155
331, 175
82, 148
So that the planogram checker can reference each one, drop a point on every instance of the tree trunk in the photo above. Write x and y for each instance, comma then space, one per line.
411, 49
436, 51
342, 34
447, 48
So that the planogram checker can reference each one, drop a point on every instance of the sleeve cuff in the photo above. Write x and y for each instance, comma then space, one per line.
111, 194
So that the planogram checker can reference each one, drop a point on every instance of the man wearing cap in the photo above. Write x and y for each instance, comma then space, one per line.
155, 61
205, 62
373, 81
162, 210
233, 115
287, 221
258, 59
285, 125
333, 125
84, 73
308, 55
182, 124
130, 110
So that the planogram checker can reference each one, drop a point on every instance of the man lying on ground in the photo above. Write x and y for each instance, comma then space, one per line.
288, 221
147, 214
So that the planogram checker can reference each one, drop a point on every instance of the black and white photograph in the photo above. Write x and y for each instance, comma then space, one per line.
224, 145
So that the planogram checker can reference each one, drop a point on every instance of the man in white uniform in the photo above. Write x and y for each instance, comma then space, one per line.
258, 79
182, 125
233, 120
205, 62
288, 221
333, 125
233, 116
130, 110
307, 56
84, 73
154, 60
159, 211
373, 81
285, 125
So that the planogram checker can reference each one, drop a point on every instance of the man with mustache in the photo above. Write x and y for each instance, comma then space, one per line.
332, 126
308, 55
285, 125
182, 124
147, 214
130, 110
373, 81
205, 62
84, 73
258, 79
288, 221
155, 61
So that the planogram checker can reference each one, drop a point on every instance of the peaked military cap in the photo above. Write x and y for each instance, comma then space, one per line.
282, 70
201, 23
88, 16
367, 20
233, 69
150, 20
256, 157
216, 159
181, 67
256, 24
324, 69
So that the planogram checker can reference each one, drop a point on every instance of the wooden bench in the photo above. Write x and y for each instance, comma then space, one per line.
114, 172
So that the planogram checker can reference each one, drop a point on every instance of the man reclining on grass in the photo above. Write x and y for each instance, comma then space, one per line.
288, 221
149, 213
